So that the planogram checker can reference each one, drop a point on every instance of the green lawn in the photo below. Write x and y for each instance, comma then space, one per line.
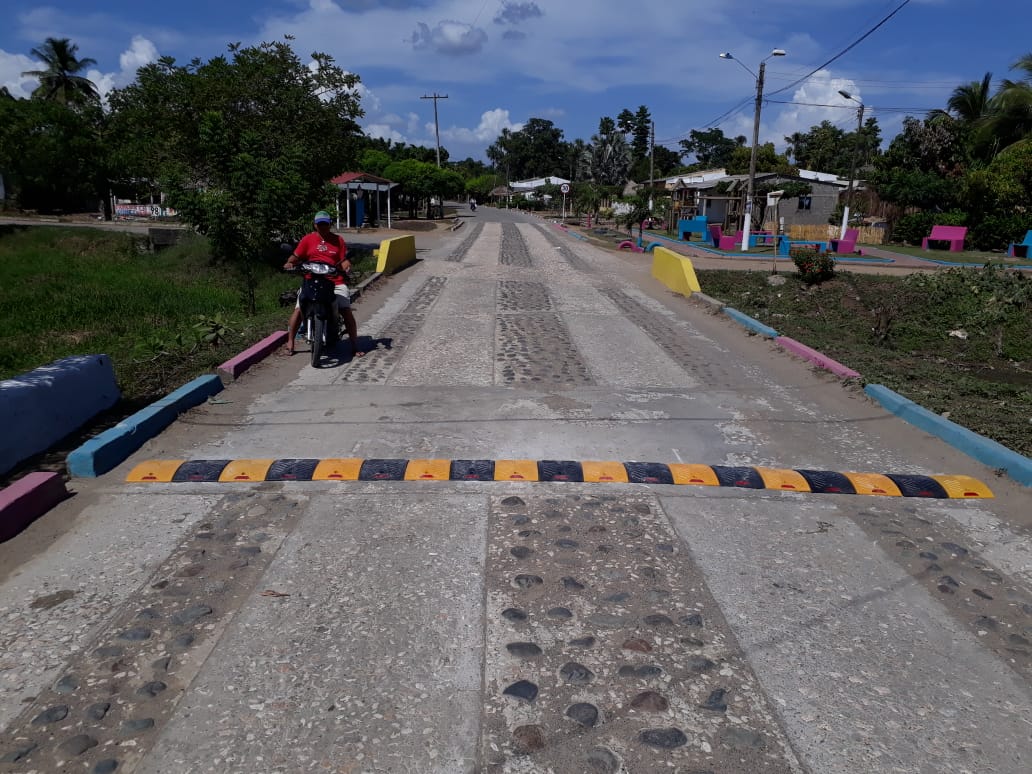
89, 291
979, 257
939, 339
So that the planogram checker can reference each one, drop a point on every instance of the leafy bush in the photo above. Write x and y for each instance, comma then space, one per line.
911, 229
996, 231
814, 266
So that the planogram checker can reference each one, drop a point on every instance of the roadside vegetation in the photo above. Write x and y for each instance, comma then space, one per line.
958, 342
164, 318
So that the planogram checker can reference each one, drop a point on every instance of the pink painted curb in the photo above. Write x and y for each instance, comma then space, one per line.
27, 499
235, 366
816, 357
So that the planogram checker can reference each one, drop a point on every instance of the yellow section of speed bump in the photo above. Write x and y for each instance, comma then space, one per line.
343, 469
964, 487
604, 472
428, 470
245, 470
873, 484
154, 471
516, 470
783, 480
698, 475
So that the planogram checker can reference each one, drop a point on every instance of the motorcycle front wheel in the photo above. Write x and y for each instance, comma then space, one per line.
318, 336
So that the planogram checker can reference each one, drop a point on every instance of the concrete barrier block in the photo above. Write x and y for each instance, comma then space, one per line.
235, 366
41, 407
396, 253
754, 325
27, 499
675, 271
815, 357
109, 449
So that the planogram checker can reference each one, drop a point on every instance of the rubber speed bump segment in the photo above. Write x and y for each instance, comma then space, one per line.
428, 470
516, 470
802, 481
604, 472
247, 470
343, 469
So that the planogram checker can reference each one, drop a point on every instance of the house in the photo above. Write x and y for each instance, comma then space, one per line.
718, 196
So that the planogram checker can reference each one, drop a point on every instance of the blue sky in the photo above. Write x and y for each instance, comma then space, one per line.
571, 61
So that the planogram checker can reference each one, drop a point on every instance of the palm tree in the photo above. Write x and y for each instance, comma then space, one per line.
1012, 119
59, 82
973, 106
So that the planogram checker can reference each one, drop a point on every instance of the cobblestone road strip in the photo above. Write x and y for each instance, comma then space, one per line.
459, 253
606, 652
563, 249
674, 341
514, 250
376, 366
109, 706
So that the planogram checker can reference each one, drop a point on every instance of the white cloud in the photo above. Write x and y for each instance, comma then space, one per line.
384, 132
11, 68
491, 124
141, 52
451, 38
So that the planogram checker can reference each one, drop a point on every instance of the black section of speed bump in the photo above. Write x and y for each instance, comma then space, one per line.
648, 473
200, 470
744, 478
827, 482
291, 470
472, 470
383, 470
560, 470
918, 486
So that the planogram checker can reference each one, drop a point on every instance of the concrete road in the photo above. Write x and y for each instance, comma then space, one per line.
469, 626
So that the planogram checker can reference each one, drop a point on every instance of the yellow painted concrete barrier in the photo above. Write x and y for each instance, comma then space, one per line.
395, 253
675, 271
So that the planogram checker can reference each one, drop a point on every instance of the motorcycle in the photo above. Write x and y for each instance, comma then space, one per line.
320, 323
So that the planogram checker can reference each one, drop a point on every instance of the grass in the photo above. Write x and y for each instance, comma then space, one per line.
896, 331
979, 257
163, 318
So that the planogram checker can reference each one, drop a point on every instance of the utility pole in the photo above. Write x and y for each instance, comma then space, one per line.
747, 220
437, 131
652, 163
856, 155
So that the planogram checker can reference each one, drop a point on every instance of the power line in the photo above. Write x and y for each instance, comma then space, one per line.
850, 107
846, 50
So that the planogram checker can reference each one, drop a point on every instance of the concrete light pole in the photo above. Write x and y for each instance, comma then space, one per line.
747, 218
856, 155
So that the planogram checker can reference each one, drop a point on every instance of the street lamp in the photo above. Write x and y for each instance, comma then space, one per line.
747, 219
856, 154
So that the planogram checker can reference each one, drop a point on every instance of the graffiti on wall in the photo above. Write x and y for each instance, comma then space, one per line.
144, 211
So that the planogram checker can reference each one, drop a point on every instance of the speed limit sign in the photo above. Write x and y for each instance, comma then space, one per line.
565, 188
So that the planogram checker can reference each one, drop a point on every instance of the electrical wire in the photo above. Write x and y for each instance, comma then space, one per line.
846, 50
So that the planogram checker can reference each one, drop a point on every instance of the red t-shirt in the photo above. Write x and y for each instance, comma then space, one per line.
332, 251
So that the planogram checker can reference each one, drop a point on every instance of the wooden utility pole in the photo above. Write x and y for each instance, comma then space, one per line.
437, 131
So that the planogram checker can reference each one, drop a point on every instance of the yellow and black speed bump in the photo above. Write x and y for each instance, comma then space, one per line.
685, 474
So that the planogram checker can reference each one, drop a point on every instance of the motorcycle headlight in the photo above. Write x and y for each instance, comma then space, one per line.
318, 268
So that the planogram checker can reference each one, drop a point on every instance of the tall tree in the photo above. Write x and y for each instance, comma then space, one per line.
244, 145
60, 81
710, 147
641, 132
608, 158
536, 150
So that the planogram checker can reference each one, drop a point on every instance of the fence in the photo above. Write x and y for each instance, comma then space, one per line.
868, 235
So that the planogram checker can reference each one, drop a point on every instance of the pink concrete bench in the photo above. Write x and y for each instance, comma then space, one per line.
952, 234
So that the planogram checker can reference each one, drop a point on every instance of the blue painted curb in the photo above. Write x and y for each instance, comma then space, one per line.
985, 450
112, 447
748, 322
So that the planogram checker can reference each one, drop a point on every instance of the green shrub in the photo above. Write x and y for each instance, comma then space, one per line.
814, 266
911, 229
996, 231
